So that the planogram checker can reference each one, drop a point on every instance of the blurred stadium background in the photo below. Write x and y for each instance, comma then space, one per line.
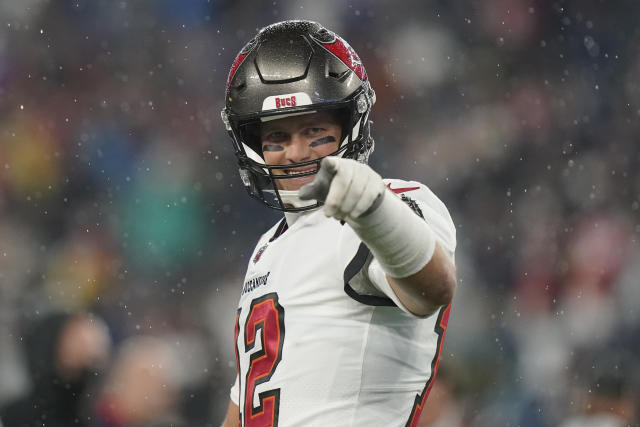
119, 193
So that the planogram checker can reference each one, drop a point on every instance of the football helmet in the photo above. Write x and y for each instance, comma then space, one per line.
293, 68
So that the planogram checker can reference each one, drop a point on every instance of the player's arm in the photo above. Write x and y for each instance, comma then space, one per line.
428, 289
417, 268
233, 416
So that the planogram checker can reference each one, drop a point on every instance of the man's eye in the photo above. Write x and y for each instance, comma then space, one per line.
275, 137
314, 131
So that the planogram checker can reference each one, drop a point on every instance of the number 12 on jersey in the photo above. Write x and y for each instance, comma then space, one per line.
267, 315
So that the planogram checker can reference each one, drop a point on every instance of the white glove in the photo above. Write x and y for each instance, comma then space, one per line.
347, 187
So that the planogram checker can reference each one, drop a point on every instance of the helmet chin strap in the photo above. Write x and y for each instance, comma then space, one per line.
290, 198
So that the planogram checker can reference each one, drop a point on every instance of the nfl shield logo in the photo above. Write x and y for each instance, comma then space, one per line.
256, 258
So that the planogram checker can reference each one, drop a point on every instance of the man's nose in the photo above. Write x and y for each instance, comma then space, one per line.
299, 150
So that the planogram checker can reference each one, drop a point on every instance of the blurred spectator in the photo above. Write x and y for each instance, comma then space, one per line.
142, 388
607, 389
64, 353
443, 407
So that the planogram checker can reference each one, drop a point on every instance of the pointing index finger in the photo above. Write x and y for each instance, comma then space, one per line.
319, 187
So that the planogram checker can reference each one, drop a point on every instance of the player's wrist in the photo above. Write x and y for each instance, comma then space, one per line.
402, 242
374, 206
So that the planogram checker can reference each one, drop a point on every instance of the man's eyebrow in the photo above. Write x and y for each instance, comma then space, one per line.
270, 130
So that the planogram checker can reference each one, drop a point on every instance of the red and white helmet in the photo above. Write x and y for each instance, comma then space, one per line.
291, 68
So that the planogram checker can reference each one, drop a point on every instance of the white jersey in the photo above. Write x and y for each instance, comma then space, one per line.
318, 343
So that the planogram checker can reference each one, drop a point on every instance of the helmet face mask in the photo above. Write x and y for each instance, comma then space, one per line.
294, 68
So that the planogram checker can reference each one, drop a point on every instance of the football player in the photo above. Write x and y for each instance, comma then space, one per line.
345, 302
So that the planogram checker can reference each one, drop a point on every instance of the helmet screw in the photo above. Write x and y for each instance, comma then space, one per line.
361, 104
225, 120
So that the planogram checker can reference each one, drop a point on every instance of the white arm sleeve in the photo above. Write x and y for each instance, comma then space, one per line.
436, 215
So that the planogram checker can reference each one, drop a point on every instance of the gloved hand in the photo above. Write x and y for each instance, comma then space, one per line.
347, 187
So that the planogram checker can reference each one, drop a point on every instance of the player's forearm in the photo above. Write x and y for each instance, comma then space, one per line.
400, 240
439, 275
418, 270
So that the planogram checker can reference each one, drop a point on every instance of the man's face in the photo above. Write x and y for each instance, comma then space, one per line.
299, 139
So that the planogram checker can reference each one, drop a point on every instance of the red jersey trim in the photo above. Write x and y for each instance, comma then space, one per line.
441, 330
401, 190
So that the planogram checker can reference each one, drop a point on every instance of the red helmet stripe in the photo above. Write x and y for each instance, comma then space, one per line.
235, 65
346, 54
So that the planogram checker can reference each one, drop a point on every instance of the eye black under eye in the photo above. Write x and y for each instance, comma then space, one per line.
321, 141
272, 147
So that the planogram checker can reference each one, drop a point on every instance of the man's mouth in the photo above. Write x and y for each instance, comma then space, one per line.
300, 171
